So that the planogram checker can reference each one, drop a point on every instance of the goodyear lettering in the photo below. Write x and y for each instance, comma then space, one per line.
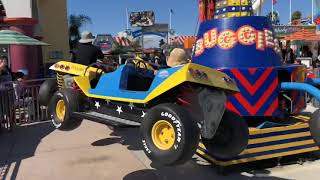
77, 68
146, 147
176, 123
227, 39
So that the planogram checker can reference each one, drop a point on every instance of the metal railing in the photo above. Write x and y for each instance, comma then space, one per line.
19, 103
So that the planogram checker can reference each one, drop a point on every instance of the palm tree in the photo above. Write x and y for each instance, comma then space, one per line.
75, 23
276, 18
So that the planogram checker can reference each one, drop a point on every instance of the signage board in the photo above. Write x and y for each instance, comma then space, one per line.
285, 30
160, 28
142, 19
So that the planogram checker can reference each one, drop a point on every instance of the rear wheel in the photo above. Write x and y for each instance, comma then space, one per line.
231, 137
314, 124
46, 91
169, 135
63, 104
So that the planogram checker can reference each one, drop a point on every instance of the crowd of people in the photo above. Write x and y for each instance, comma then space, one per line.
10, 86
86, 53
290, 56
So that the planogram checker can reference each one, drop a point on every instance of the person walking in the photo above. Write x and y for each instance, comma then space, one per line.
5, 77
290, 57
86, 53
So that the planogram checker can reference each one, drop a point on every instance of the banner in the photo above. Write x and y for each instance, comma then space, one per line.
142, 19
285, 30
157, 28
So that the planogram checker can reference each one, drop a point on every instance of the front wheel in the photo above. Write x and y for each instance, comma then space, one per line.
62, 105
169, 135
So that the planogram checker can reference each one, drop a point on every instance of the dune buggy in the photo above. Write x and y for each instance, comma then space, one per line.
174, 107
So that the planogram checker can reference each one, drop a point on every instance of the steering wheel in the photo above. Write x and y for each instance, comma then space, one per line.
100, 66
140, 66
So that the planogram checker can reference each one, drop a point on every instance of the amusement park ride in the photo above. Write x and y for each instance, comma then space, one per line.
272, 95
175, 106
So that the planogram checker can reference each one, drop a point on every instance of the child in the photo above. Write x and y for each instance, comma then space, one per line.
178, 57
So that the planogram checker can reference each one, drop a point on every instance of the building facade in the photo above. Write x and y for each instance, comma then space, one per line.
45, 20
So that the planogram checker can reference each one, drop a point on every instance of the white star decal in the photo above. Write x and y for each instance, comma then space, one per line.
143, 114
97, 104
131, 105
119, 109
108, 101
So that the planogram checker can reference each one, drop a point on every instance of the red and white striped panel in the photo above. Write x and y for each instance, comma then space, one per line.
179, 39
122, 41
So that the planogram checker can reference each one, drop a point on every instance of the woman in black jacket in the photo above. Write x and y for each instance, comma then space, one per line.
5, 72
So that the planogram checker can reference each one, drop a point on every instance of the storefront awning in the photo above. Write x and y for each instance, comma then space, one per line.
303, 35
8, 37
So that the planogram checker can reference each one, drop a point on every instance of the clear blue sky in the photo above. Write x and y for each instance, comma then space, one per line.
108, 16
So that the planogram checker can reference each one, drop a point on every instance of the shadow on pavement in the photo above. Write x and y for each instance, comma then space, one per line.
129, 137
20, 144
198, 168
192, 170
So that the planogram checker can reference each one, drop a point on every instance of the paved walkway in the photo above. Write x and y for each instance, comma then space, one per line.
95, 152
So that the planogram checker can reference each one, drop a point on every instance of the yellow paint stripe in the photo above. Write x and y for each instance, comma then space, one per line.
228, 163
202, 145
254, 131
277, 146
281, 137
301, 117
209, 158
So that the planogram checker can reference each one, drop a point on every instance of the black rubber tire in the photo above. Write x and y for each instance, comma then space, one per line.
46, 91
314, 124
230, 139
186, 132
72, 104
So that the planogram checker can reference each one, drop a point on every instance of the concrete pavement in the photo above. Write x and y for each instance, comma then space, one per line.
93, 151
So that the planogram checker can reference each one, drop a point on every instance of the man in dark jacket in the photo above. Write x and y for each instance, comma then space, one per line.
86, 53
5, 95
5, 72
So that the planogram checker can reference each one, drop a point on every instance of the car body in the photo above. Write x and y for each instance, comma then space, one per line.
175, 101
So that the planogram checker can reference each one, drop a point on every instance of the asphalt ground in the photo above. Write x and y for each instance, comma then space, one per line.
95, 151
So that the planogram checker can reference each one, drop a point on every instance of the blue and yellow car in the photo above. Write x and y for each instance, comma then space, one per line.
174, 107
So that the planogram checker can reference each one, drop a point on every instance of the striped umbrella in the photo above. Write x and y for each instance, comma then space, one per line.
8, 37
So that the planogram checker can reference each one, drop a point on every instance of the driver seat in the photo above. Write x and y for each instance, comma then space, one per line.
132, 80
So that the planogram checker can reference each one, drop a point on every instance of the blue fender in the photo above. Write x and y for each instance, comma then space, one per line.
315, 92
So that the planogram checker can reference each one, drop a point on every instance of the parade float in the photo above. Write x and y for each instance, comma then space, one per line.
272, 95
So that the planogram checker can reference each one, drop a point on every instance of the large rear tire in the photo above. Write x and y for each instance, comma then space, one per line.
169, 135
46, 91
314, 124
63, 104
231, 137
